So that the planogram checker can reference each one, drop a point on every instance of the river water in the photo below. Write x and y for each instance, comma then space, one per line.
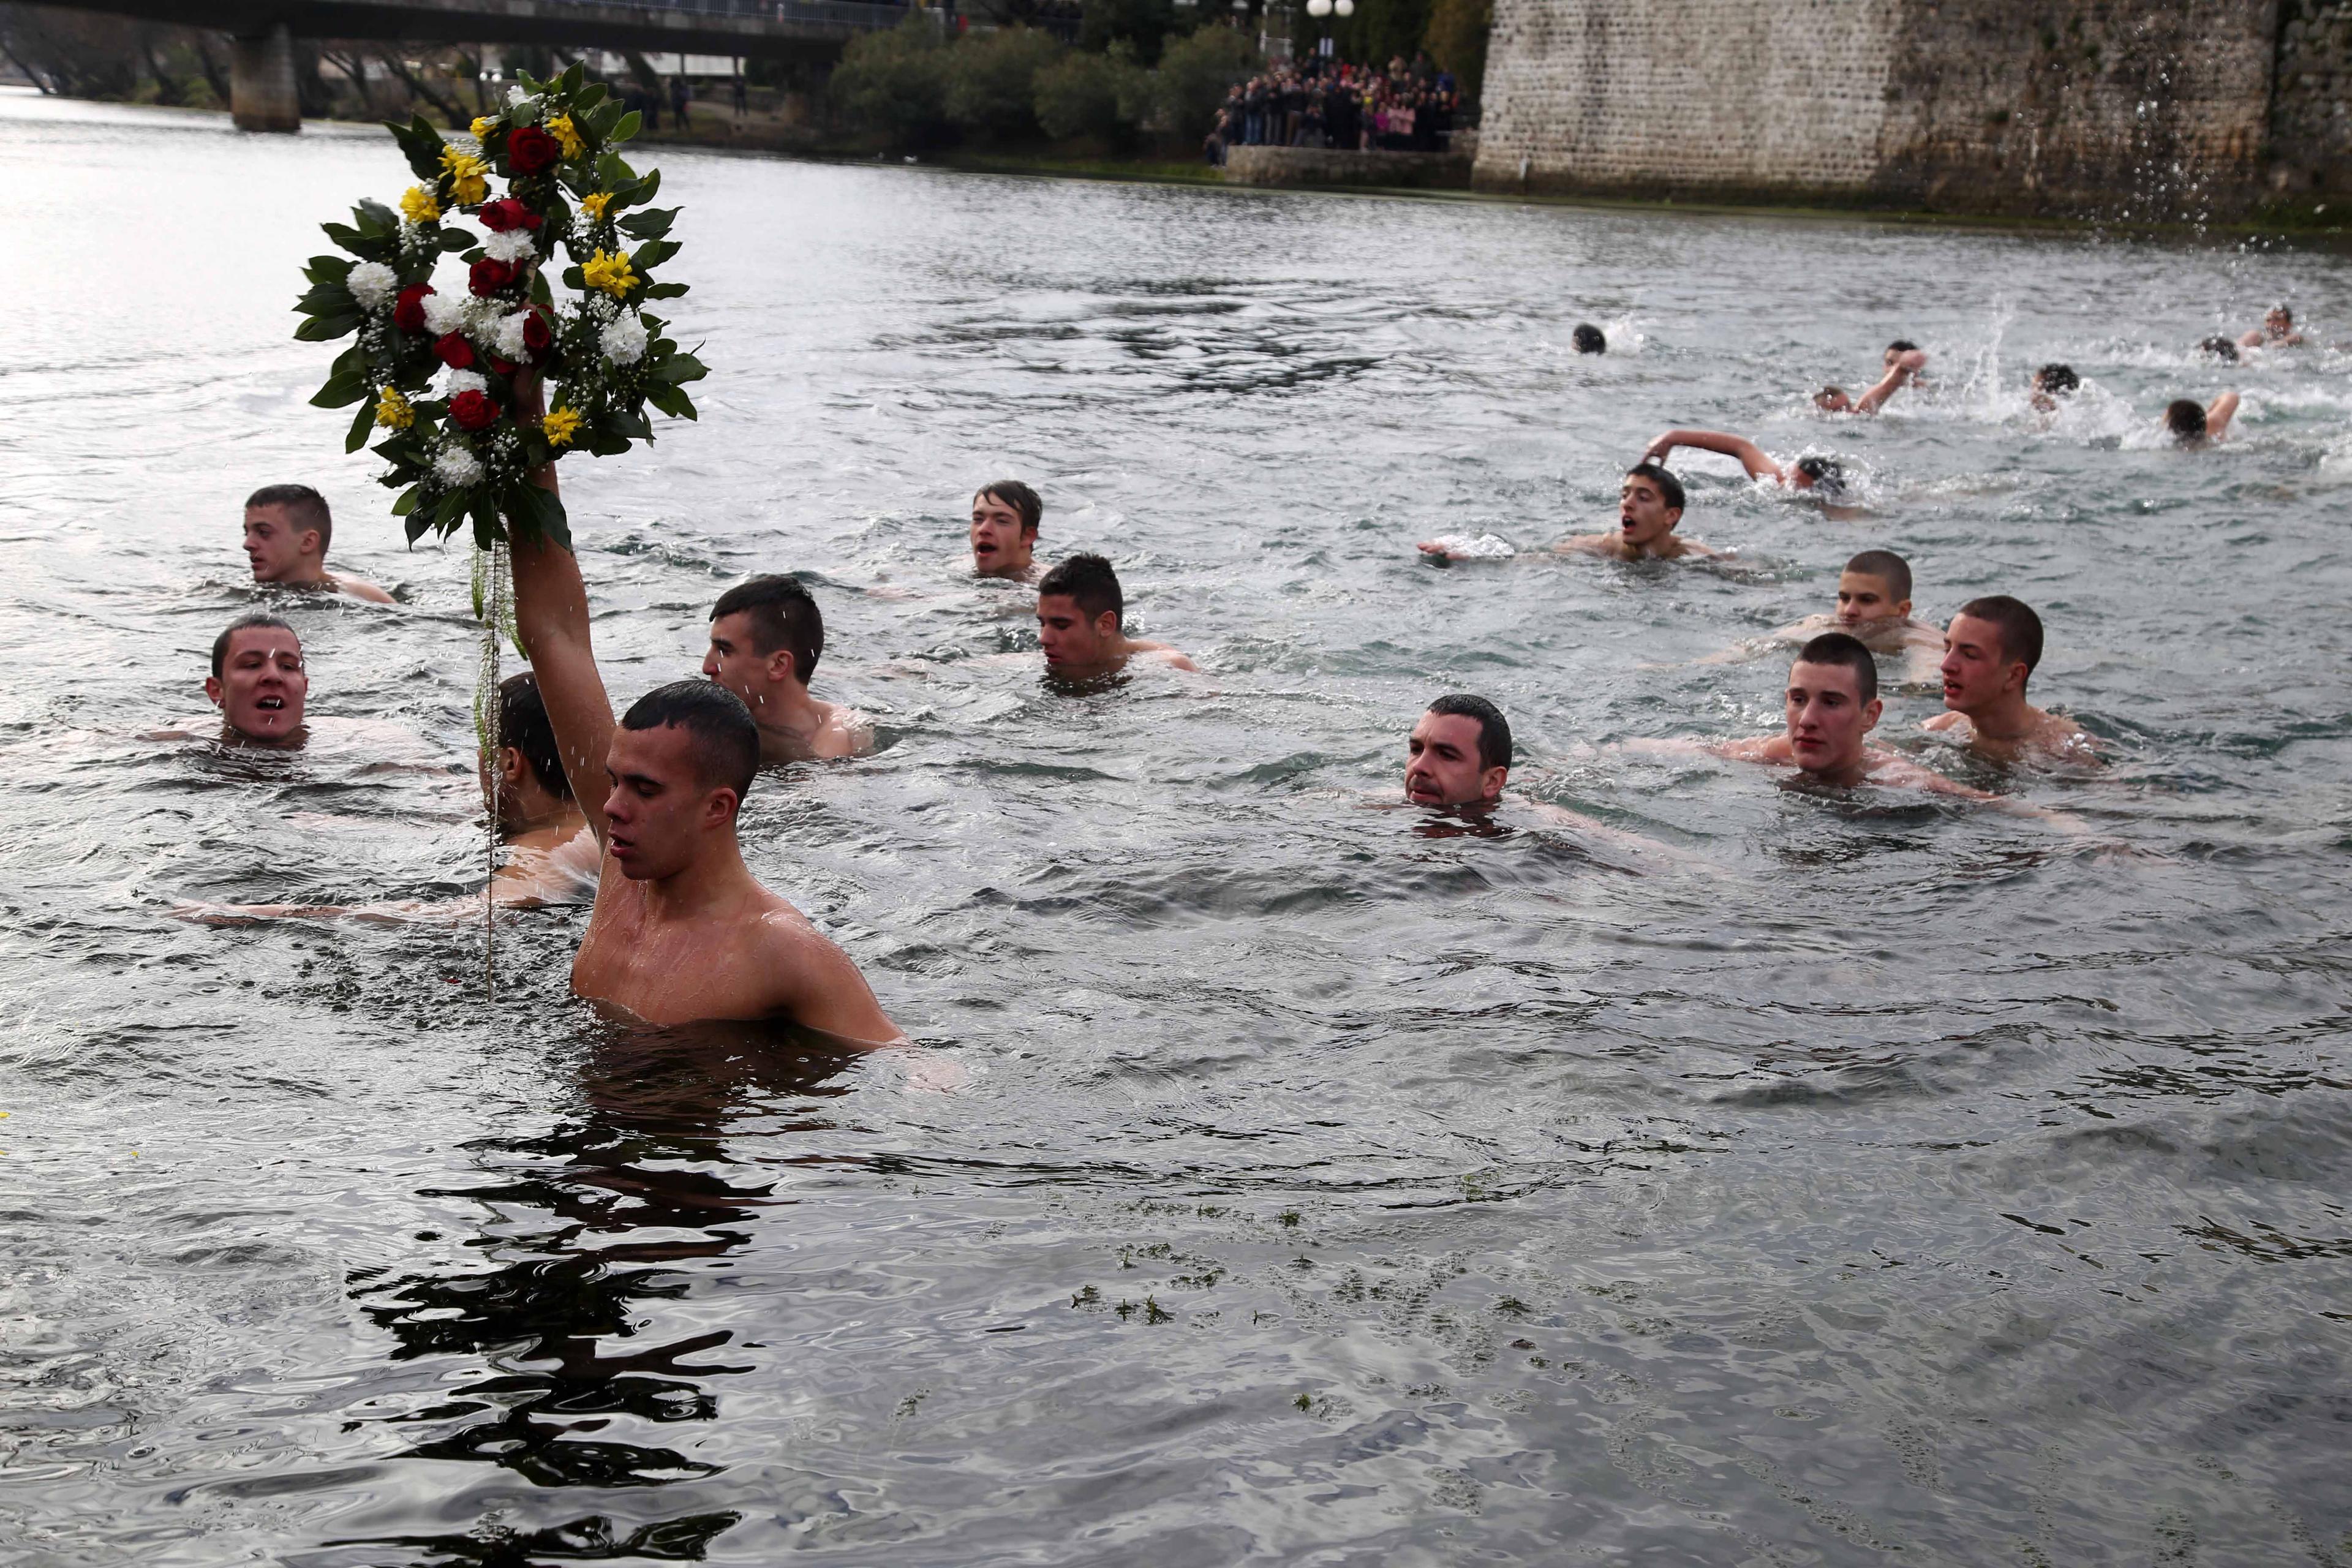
1281, 1180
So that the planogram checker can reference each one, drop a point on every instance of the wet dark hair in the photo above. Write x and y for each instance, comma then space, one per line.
1887, 567
2185, 417
1837, 649
1827, 473
2280, 309
244, 624
523, 724
726, 739
1826, 393
1087, 579
2221, 348
783, 615
1670, 488
1589, 340
2021, 628
1901, 346
1017, 496
1494, 729
2056, 378
305, 507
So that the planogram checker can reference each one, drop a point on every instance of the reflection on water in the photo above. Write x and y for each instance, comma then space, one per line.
1786, 1179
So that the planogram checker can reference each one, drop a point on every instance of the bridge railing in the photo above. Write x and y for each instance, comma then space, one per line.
841, 13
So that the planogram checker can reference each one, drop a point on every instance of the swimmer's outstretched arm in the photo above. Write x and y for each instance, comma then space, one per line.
1751, 457
1898, 375
552, 620
2218, 413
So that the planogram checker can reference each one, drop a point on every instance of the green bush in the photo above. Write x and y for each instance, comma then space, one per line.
1194, 73
1103, 96
992, 81
1456, 40
896, 82
1145, 26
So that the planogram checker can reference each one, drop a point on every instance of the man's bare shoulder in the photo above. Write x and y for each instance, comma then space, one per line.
1758, 748
846, 732
1161, 653
1901, 773
1607, 545
360, 588
1943, 722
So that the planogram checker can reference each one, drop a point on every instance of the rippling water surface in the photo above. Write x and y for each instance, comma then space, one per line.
1882, 1181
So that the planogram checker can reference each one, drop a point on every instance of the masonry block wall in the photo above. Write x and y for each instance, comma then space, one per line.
2129, 107
2311, 109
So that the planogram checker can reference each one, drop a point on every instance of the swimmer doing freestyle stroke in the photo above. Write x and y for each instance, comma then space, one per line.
1649, 508
1904, 364
681, 931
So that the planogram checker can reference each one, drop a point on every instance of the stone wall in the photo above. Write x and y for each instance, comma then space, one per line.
2137, 108
2311, 110
1330, 166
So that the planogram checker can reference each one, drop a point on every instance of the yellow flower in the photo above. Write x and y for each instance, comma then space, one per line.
392, 412
419, 205
484, 125
562, 426
567, 134
594, 204
611, 273
468, 175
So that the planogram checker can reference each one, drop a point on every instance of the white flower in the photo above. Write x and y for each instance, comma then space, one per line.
463, 380
457, 468
513, 245
372, 283
505, 342
624, 340
445, 312
521, 109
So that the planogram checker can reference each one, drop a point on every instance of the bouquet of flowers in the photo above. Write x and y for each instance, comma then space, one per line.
446, 372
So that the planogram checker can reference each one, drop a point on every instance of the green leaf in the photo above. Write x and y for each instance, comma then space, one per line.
587, 97
628, 126
651, 223
663, 290
418, 526
653, 253
612, 173
327, 299
628, 422
486, 521
664, 397
541, 294
342, 391
325, 329
452, 508
574, 278
344, 234
455, 239
570, 81
328, 268
407, 503
678, 369
373, 212
362, 423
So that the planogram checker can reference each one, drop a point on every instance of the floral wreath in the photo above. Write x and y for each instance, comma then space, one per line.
467, 448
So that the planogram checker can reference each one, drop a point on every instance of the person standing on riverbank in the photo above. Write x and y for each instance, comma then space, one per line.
288, 529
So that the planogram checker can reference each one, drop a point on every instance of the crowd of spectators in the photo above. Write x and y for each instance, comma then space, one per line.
1320, 102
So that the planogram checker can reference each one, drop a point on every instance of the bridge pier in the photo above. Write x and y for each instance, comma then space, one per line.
262, 96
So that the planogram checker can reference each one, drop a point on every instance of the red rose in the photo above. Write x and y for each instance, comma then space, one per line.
408, 310
490, 275
454, 352
501, 215
537, 335
503, 366
532, 151
473, 411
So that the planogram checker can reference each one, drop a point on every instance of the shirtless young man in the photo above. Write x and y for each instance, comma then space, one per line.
1004, 519
1989, 653
1820, 476
681, 929
287, 532
766, 635
551, 856
1649, 507
2277, 331
1903, 366
1874, 607
1081, 618
1831, 706
2192, 423
258, 684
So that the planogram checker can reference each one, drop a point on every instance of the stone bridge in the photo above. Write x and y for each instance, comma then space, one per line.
262, 81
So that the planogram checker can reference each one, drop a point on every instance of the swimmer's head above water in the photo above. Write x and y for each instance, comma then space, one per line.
682, 760
2219, 348
1459, 753
1989, 653
257, 681
1081, 613
1832, 399
1825, 476
288, 529
1589, 340
1874, 587
1004, 519
2185, 418
1831, 706
1649, 505
766, 635
1896, 350
531, 785
2052, 382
